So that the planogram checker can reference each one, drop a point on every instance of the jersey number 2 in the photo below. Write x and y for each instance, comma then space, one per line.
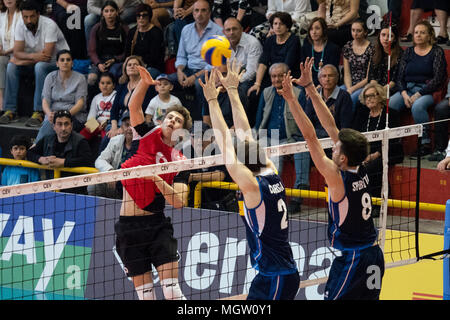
283, 209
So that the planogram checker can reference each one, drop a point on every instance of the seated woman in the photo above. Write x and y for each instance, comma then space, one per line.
379, 64
317, 46
64, 89
127, 84
8, 21
295, 8
339, 15
371, 116
147, 41
357, 55
283, 46
107, 43
422, 71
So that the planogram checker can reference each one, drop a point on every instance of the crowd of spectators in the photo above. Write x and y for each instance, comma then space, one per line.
90, 72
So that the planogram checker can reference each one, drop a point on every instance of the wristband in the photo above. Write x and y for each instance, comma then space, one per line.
231, 87
308, 85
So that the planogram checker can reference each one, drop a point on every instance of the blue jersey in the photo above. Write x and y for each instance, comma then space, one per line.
350, 224
267, 229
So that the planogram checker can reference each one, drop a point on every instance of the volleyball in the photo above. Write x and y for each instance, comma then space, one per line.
216, 50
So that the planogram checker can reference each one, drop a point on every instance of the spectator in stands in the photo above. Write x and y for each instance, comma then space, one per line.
202, 144
107, 43
240, 9
62, 148
156, 109
100, 111
64, 89
162, 12
126, 10
247, 50
339, 15
441, 112
189, 64
445, 163
379, 65
69, 16
441, 9
9, 16
37, 40
224, 101
340, 104
182, 13
276, 118
319, 47
147, 41
372, 117
127, 83
283, 46
422, 72
12, 175
116, 152
357, 56
295, 8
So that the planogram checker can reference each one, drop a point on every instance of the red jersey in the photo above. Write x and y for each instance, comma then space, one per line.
151, 150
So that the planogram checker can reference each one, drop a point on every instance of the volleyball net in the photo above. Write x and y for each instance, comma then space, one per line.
60, 245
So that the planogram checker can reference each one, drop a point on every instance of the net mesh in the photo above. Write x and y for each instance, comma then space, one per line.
59, 245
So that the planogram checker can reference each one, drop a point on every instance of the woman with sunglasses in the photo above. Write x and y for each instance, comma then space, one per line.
147, 41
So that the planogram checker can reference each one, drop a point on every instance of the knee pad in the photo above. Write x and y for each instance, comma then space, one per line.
146, 292
171, 289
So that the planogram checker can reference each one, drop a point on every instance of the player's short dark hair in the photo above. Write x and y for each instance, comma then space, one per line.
20, 140
250, 154
354, 145
184, 112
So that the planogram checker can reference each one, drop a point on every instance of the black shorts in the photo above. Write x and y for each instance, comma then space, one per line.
144, 241
356, 275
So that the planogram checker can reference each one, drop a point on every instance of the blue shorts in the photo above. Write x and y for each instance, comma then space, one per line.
356, 275
281, 287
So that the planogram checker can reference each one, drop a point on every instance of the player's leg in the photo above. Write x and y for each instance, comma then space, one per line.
168, 275
144, 286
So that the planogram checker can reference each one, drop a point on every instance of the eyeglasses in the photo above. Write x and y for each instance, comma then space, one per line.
368, 96
141, 15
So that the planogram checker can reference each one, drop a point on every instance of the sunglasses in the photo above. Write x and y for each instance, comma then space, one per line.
141, 15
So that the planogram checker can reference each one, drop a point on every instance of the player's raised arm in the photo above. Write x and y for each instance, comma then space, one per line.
231, 83
326, 166
237, 170
322, 111
137, 98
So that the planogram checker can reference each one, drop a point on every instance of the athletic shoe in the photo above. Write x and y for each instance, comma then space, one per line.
8, 117
437, 156
441, 40
35, 120
422, 152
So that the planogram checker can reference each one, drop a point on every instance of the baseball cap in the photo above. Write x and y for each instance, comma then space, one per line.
163, 76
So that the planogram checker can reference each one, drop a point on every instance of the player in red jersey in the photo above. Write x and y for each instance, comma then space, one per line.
144, 234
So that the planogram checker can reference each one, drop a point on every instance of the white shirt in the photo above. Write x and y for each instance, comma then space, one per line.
248, 51
157, 108
47, 32
101, 107
7, 34
296, 8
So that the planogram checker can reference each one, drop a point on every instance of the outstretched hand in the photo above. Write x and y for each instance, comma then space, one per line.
209, 87
306, 75
233, 77
287, 92
146, 77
